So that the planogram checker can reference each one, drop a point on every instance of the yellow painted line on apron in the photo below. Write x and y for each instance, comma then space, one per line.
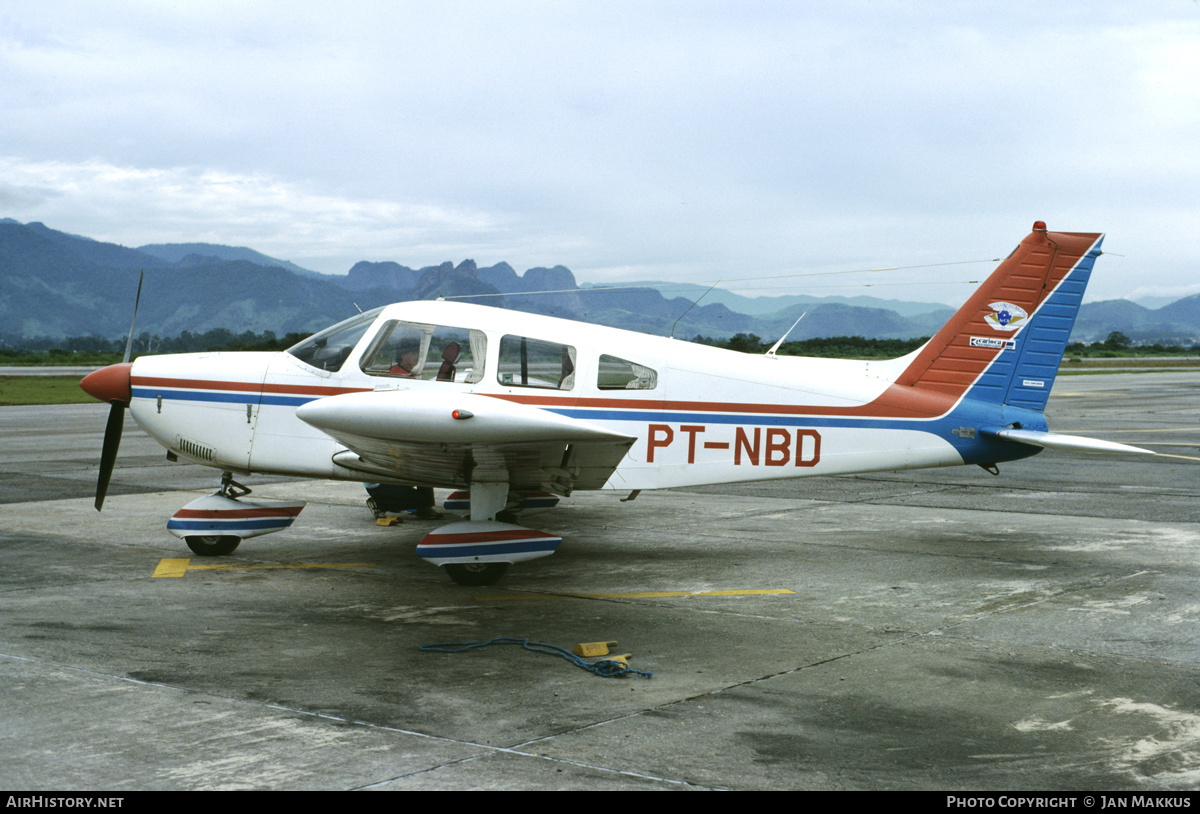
634, 595
179, 567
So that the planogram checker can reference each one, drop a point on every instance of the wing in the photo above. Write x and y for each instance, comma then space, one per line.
449, 440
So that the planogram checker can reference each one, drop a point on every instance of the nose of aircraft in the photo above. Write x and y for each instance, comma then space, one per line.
111, 384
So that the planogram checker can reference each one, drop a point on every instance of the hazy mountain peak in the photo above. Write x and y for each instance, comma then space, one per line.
57, 284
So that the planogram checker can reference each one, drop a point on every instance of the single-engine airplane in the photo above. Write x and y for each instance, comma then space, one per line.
514, 409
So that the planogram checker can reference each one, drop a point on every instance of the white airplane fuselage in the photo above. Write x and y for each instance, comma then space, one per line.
708, 415
517, 408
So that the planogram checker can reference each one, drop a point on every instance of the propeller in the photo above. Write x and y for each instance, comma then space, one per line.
114, 385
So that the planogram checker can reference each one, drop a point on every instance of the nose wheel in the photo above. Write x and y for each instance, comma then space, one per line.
476, 573
212, 545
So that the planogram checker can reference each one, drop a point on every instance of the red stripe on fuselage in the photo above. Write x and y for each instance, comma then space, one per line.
900, 402
896, 401
246, 387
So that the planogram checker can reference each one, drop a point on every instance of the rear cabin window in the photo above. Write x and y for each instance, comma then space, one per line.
621, 374
526, 362
414, 350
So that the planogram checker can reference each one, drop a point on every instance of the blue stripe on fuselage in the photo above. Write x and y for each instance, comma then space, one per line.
970, 414
967, 413
218, 397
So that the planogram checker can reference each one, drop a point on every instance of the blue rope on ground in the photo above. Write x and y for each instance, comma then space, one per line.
606, 668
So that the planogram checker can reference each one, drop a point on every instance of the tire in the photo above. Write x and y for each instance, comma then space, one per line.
476, 574
213, 545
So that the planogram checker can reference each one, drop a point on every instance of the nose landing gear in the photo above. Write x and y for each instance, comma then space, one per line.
216, 524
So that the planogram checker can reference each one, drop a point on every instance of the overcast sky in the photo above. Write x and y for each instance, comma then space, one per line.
650, 140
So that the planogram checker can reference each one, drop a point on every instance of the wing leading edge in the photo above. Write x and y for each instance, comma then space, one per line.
451, 440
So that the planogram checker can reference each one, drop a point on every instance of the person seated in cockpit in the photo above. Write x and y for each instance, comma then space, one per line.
407, 356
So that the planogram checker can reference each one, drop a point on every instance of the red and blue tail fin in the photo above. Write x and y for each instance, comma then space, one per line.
1005, 344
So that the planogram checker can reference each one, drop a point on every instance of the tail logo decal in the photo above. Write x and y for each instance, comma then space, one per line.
1005, 316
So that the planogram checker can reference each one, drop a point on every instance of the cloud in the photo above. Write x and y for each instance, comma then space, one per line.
278, 217
1163, 292
26, 197
674, 141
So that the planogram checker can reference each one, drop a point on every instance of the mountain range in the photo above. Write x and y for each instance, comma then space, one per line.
55, 284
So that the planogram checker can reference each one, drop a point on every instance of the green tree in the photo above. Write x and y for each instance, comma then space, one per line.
1117, 341
746, 343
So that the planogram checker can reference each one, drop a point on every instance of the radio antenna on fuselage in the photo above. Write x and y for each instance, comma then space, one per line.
693, 305
775, 347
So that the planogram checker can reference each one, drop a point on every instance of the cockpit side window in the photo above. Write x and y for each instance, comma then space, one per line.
621, 374
526, 362
329, 349
414, 350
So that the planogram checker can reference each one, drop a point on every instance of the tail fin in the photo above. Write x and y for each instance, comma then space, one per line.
1005, 344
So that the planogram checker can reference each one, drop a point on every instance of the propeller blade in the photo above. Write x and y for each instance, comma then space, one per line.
108, 453
132, 322
112, 384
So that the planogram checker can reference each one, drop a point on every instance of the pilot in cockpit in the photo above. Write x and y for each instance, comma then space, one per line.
407, 356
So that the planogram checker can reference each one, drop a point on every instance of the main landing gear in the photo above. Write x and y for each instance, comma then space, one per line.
478, 551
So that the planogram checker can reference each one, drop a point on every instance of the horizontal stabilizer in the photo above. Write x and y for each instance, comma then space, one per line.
1073, 443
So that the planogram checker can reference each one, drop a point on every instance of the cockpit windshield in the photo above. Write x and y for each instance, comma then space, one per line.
329, 349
